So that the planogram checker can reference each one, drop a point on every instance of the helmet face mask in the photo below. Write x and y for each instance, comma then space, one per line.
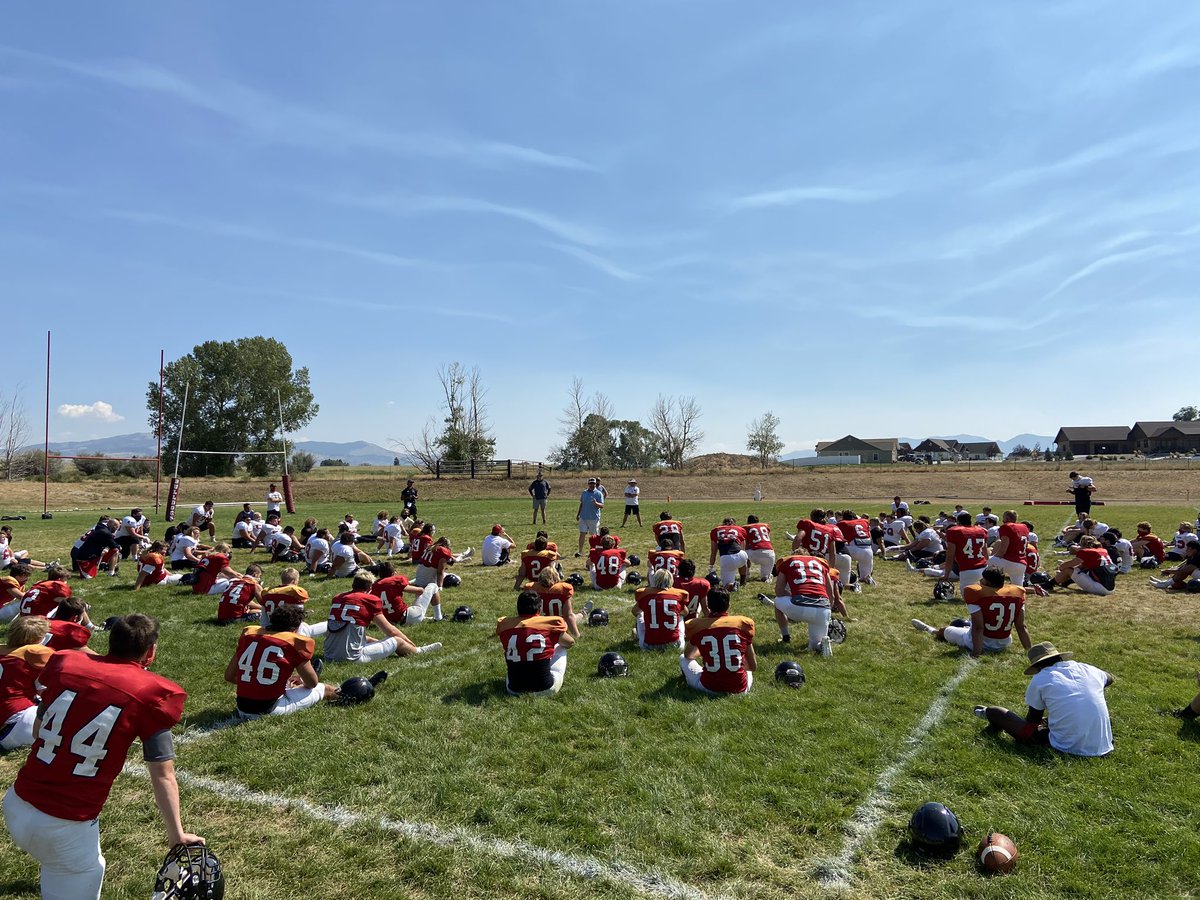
943, 590
598, 617
451, 580
837, 631
190, 872
575, 579
634, 559
463, 614
612, 665
633, 578
354, 691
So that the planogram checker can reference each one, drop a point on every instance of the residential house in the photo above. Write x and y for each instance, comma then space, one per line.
1093, 440
869, 450
980, 450
937, 449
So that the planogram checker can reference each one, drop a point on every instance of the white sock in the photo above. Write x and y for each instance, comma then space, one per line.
437, 613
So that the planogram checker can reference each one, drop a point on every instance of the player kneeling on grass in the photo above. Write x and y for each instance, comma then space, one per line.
351, 614
96, 547
659, 610
24, 658
804, 592
728, 541
69, 626
152, 568
996, 610
272, 668
240, 599
535, 648
390, 588
1069, 695
558, 599
720, 656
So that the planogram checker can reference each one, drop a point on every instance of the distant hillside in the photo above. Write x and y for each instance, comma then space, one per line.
144, 444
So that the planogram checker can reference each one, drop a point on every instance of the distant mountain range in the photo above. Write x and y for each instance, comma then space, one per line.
144, 444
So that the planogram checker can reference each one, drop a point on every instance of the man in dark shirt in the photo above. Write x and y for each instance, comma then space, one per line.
408, 497
539, 490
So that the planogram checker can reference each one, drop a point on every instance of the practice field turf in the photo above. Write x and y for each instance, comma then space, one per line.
445, 787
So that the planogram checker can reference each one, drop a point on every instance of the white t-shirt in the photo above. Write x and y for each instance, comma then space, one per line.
1081, 482
379, 527
317, 550
127, 525
242, 529
283, 541
395, 536
344, 552
492, 546
201, 512
933, 541
274, 499
352, 525
1072, 694
267, 531
893, 533
982, 519
632, 492
181, 543
896, 507
1122, 554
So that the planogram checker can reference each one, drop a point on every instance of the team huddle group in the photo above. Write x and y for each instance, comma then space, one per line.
80, 712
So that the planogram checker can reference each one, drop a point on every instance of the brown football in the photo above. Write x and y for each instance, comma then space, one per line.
997, 854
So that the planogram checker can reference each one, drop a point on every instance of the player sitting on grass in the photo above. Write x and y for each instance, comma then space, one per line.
1069, 695
316, 552
607, 565
202, 518
804, 592
346, 559
273, 670
1185, 576
24, 658
185, 548
1148, 545
12, 584
42, 598
152, 568
1179, 541
495, 547
214, 572
995, 609
1120, 550
558, 599
431, 569
69, 627
1089, 567
97, 547
720, 656
285, 547
239, 601
535, 559
288, 593
8, 556
925, 549
697, 588
535, 648
243, 533
659, 611
392, 538
390, 588
351, 614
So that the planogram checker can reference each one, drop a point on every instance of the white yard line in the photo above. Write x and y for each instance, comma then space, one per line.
835, 872
655, 884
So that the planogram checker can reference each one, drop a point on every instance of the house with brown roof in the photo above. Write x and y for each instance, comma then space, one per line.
868, 450
937, 448
1093, 440
1164, 437
979, 450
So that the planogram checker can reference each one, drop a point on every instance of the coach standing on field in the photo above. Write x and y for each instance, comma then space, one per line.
1083, 488
591, 501
539, 490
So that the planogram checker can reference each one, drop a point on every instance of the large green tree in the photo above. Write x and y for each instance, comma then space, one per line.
231, 404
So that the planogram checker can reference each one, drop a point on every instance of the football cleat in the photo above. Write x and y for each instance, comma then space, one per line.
354, 691
633, 578
789, 673
378, 678
463, 614
318, 665
451, 580
837, 631
575, 579
190, 872
612, 665
634, 559
934, 829
765, 600
598, 617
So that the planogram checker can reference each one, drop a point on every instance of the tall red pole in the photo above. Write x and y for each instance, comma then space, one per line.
46, 448
158, 466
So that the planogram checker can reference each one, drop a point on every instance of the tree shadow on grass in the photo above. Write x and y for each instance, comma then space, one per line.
479, 694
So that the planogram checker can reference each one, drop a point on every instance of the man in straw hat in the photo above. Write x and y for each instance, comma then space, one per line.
1066, 703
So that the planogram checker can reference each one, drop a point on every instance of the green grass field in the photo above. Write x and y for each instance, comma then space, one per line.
445, 787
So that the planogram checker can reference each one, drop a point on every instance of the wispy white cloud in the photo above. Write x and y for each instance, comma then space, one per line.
607, 266
796, 196
98, 410
247, 232
274, 119
1154, 251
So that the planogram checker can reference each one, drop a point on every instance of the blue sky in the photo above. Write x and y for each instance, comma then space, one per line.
878, 218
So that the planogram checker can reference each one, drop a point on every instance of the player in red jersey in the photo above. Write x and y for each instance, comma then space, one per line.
814, 537
664, 558
539, 556
263, 664
42, 598
558, 599
152, 568
214, 572
607, 566
804, 592
535, 648
351, 614
550, 545
996, 610
759, 550
69, 629
92, 710
1088, 568
966, 551
390, 588
667, 525
720, 656
697, 588
595, 540
1147, 544
1008, 553
728, 541
658, 611
241, 597
856, 532
420, 539
25, 655
431, 568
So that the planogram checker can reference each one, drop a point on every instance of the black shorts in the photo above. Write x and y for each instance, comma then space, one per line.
631, 509
182, 564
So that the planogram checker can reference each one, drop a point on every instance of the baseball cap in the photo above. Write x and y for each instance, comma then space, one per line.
496, 529
633, 481
591, 481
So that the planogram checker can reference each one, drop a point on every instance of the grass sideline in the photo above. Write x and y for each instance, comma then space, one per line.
642, 777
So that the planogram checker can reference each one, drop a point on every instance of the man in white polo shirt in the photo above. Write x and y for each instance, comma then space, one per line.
632, 493
1069, 696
